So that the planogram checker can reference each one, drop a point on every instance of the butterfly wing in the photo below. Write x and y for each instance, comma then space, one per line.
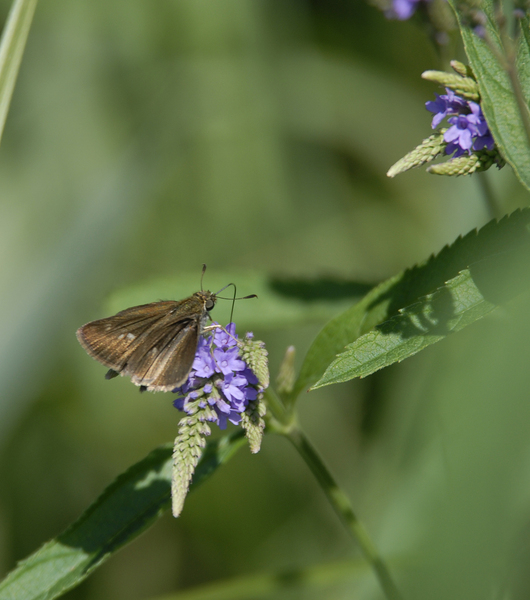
164, 363
153, 343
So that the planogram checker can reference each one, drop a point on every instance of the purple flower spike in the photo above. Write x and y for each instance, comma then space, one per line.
221, 388
220, 378
469, 130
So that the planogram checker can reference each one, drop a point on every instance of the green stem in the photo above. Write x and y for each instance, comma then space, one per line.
344, 510
279, 419
488, 196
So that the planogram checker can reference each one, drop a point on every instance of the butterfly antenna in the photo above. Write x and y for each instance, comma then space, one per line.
202, 274
234, 298
233, 303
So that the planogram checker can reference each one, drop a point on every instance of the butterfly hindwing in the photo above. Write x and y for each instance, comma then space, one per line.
167, 362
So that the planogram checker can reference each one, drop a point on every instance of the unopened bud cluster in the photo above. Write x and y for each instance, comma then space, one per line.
252, 420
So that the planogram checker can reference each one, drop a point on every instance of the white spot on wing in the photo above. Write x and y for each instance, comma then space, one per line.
131, 336
120, 337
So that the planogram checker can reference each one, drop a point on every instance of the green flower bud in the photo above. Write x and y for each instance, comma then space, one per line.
253, 423
462, 69
254, 354
466, 87
427, 151
468, 164
286, 376
187, 450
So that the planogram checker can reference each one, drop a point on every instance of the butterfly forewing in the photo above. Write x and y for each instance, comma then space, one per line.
153, 343
111, 341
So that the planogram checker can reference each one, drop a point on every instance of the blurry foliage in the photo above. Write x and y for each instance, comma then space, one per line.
147, 138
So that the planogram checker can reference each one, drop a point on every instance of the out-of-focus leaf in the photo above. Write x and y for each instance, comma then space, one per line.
268, 585
497, 97
12, 46
281, 302
479, 252
126, 508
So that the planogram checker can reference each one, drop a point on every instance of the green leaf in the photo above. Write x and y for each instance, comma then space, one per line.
457, 304
423, 302
339, 332
281, 302
497, 97
127, 507
12, 46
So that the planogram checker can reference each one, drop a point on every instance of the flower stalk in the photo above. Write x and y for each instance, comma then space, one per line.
283, 421
341, 504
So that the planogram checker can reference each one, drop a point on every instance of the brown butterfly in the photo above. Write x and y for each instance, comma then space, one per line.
154, 344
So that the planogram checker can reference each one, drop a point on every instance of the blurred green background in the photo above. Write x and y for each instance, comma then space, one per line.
147, 138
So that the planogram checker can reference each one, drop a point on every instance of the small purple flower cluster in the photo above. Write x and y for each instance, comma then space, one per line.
469, 130
403, 9
220, 377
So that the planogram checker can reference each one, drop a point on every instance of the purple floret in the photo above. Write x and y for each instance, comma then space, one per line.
445, 105
225, 338
485, 141
232, 388
203, 365
227, 361
461, 132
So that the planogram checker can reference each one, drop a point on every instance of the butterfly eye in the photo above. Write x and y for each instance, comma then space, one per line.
210, 304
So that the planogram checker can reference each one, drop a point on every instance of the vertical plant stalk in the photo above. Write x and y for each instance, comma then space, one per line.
344, 510
12, 46
511, 69
507, 59
488, 196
